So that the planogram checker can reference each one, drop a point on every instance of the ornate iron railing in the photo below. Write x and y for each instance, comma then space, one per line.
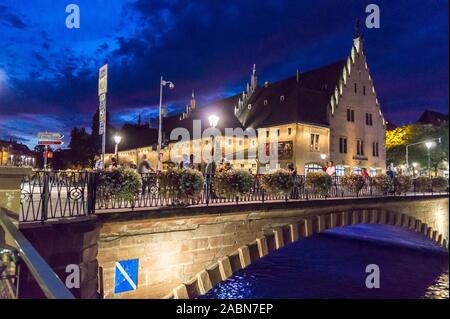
54, 194
59, 194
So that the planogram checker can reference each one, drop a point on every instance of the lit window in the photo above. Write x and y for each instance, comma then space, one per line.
357, 170
373, 172
314, 143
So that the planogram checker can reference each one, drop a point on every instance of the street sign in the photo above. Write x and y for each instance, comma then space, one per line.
126, 275
50, 142
102, 114
49, 136
102, 89
103, 80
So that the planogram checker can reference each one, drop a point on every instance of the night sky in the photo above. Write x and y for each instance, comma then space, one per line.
48, 73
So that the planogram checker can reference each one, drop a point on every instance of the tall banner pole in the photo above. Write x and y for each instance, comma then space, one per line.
102, 89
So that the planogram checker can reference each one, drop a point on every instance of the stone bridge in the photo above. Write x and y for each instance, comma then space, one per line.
183, 252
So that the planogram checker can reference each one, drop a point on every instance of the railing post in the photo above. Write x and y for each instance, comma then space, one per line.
91, 192
45, 196
207, 188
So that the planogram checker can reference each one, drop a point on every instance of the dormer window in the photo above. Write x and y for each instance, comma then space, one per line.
249, 106
282, 98
265, 102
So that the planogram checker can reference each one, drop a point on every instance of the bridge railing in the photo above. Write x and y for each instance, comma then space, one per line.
17, 253
61, 194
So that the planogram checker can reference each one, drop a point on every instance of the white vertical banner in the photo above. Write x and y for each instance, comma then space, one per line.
102, 89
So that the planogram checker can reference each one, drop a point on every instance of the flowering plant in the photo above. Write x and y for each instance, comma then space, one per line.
181, 183
422, 184
402, 184
120, 184
382, 183
233, 183
318, 182
353, 183
279, 182
440, 184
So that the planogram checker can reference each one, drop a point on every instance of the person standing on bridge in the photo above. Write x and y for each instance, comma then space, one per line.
98, 163
144, 169
144, 166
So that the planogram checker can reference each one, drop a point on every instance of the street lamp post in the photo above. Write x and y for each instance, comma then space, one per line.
117, 140
421, 142
429, 145
162, 83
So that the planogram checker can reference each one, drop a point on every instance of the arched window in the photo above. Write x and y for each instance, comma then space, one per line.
373, 171
340, 170
312, 167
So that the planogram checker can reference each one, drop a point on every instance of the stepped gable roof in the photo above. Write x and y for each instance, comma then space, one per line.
289, 101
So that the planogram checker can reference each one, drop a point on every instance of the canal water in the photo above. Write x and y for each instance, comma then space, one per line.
333, 264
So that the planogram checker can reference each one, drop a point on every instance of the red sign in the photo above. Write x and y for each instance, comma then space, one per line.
50, 142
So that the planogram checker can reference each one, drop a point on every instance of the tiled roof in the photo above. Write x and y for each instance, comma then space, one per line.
434, 118
277, 103
16, 148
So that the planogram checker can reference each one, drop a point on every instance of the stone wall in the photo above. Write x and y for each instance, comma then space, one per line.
60, 244
174, 245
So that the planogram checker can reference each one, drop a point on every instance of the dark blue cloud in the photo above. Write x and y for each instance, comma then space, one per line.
49, 71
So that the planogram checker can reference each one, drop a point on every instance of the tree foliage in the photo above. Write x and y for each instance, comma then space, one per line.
397, 139
80, 147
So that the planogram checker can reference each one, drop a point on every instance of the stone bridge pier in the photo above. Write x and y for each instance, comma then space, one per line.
183, 252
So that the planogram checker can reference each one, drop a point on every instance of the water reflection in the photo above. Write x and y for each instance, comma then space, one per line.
332, 265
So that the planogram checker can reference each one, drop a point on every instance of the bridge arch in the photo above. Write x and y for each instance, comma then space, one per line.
278, 237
